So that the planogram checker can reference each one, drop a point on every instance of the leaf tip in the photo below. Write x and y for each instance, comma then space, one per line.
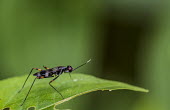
146, 90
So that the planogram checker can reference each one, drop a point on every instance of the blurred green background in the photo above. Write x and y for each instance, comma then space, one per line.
127, 41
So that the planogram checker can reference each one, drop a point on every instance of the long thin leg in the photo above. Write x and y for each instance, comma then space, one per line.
70, 76
46, 67
28, 92
37, 69
55, 88
28, 77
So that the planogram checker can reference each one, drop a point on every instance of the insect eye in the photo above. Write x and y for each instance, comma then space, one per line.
69, 68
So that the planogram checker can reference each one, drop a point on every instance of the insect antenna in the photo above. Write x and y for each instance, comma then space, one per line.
82, 65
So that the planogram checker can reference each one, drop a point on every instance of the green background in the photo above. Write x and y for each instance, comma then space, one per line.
127, 41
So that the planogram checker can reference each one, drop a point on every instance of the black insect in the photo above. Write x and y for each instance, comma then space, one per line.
50, 72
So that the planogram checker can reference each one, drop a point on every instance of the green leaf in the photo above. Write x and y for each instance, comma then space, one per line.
42, 96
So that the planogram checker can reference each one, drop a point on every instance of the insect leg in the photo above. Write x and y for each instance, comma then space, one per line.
70, 76
55, 88
46, 67
28, 92
37, 69
27, 79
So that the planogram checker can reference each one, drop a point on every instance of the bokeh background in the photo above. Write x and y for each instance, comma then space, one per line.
127, 41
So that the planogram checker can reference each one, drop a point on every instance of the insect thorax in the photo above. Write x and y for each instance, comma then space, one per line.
50, 72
